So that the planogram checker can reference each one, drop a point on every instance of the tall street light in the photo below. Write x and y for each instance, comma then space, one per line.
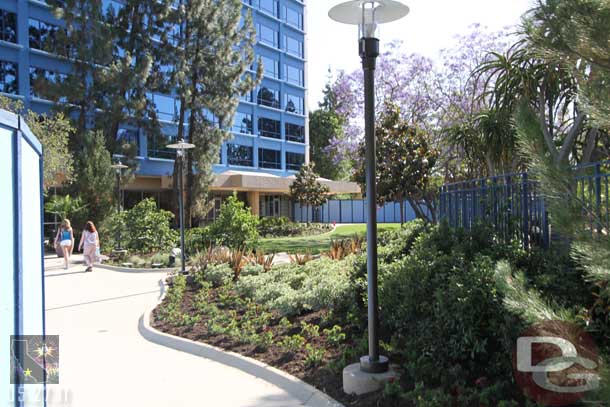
180, 148
118, 168
367, 15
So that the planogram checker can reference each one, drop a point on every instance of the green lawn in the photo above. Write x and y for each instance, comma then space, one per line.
319, 243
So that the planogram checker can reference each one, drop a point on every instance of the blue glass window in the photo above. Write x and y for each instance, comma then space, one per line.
269, 97
295, 132
293, 46
294, 17
157, 146
270, 6
243, 123
269, 158
42, 80
269, 128
240, 155
43, 35
268, 35
271, 67
167, 107
294, 161
8, 26
8, 77
295, 104
294, 75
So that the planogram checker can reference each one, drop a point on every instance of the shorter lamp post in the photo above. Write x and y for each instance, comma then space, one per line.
118, 168
180, 148
368, 15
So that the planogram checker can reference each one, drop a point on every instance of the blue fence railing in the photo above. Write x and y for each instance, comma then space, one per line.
515, 207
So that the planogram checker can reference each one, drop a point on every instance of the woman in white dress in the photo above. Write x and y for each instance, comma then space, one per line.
89, 243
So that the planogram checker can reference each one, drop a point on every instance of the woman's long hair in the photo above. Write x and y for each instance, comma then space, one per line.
65, 224
90, 227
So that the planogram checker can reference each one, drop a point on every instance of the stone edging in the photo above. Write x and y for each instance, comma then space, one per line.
133, 270
307, 394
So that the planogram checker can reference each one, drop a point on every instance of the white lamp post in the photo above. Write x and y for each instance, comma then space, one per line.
180, 148
368, 15
118, 168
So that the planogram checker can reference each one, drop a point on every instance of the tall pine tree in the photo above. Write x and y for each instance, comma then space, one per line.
213, 53
86, 41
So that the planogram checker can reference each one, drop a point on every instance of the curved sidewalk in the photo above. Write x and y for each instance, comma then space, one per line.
104, 360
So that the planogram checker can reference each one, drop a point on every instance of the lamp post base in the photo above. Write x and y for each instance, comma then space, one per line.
378, 366
358, 382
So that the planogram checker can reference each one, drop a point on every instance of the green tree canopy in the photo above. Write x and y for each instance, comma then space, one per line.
307, 190
325, 131
405, 163
575, 33
53, 131
210, 61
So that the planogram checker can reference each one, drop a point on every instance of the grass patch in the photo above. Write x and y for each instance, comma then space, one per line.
318, 243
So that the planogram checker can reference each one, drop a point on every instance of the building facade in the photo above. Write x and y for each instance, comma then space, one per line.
270, 131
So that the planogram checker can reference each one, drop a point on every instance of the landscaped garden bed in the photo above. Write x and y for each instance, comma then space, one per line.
451, 304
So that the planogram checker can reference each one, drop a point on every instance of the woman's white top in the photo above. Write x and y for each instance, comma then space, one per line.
90, 239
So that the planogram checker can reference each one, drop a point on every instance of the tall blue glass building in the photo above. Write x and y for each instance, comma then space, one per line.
270, 132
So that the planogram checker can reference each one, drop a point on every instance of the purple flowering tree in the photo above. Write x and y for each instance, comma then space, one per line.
432, 94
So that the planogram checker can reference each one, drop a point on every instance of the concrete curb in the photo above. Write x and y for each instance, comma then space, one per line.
307, 394
132, 270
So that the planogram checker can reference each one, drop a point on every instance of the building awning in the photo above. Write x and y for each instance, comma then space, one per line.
263, 182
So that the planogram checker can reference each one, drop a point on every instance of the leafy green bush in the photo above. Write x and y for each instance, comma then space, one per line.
197, 240
236, 226
143, 228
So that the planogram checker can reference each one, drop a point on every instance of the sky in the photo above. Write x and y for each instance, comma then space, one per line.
429, 27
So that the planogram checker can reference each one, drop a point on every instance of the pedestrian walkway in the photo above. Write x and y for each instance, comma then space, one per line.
104, 361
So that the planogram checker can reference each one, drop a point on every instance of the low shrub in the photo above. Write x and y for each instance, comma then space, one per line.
292, 289
218, 274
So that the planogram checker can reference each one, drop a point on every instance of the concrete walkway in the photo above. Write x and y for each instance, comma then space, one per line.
104, 361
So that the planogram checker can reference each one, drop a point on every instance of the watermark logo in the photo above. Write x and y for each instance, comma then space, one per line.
34, 358
556, 363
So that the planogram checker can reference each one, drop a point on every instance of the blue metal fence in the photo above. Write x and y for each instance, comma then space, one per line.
351, 211
514, 206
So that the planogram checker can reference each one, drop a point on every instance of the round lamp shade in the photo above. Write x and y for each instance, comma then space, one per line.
181, 145
375, 12
119, 166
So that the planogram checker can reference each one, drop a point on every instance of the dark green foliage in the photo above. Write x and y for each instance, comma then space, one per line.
95, 180
143, 229
236, 226
197, 240
405, 160
326, 126
447, 295
557, 276
306, 189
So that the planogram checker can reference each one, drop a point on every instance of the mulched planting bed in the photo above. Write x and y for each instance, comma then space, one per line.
326, 376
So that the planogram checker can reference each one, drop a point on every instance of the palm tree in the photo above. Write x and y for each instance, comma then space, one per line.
548, 87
